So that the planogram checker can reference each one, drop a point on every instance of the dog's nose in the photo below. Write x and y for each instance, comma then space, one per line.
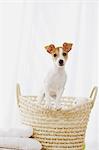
61, 62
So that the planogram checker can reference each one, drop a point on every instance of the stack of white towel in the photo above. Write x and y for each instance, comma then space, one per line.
18, 138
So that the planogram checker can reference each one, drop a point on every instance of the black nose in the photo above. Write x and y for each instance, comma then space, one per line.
61, 62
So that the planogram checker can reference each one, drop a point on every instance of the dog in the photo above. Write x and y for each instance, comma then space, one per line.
55, 80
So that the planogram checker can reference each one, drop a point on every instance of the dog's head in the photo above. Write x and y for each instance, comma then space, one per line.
59, 54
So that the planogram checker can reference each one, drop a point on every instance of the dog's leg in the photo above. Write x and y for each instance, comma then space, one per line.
59, 94
58, 97
48, 99
41, 96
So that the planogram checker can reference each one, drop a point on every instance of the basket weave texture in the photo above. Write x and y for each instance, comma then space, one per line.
56, 129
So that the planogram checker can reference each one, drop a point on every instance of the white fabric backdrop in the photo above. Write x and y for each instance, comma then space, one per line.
25, 28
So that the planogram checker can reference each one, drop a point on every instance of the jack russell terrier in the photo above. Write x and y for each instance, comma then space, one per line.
54, 82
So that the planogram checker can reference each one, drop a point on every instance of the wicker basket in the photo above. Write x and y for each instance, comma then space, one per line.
57, 129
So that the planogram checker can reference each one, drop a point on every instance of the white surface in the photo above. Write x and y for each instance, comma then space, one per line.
20, 143
25, 28
22, 131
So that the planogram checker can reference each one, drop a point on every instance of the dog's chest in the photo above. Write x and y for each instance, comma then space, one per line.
55, 80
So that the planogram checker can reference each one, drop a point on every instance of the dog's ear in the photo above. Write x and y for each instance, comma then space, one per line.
50, 48
67, 46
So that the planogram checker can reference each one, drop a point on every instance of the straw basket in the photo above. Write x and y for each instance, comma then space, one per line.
57, 129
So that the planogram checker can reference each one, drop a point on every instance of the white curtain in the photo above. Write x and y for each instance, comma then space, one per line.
25, 28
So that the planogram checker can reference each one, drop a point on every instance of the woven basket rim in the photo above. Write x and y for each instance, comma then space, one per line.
89, 100
76, 107
74, 97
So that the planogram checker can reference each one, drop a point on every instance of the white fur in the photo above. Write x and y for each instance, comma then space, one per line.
54, 82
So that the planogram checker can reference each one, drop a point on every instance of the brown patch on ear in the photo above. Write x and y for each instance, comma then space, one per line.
67, 47
50, 48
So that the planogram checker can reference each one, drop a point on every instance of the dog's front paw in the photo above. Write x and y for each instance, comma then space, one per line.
57, 106
48, 105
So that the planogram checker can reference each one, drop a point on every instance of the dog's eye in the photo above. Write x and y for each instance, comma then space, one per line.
64, 54
55, 55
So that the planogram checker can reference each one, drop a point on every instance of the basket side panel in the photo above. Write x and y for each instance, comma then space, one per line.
56, 129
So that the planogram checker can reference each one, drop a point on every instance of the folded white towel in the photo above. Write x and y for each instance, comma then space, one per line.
22, 131
19, 143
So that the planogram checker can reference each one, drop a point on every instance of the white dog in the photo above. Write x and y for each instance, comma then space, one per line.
54, 82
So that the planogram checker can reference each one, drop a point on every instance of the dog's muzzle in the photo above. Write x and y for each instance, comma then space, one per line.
61, 62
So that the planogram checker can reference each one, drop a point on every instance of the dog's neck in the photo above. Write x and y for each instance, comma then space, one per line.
59, 69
